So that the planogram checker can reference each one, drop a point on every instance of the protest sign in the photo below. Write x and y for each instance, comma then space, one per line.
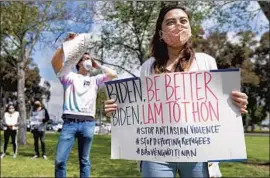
35, 120
177, 117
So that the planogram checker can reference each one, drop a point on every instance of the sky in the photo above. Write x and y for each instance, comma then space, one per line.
43, 55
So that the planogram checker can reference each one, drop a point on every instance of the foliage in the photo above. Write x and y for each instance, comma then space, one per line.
129, 26
253, 63
28, 26
237, 15
259, 100
101, 98
22, 25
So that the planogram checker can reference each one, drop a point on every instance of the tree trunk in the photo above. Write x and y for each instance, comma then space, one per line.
2, 106
21, 102
252, 127
245, 122
265, 6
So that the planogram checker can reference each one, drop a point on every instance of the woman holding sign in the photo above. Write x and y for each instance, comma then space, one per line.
39, 119
171, 50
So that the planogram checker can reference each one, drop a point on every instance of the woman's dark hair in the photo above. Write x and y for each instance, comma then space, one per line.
159, 47
40, 101
77, 65
9, 106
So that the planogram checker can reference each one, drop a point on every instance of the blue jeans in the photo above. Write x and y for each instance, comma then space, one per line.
84, 132
169, 169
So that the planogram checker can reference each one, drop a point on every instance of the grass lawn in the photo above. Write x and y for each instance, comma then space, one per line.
24, 166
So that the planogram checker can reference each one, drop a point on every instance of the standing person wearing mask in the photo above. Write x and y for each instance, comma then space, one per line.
79, 106
39, 118
11, 122
171, 51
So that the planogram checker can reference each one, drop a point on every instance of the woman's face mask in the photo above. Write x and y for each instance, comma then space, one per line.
87, 64
175, 30
176, 37
11, 110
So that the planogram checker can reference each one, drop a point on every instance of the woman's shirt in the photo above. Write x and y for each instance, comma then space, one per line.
39, 119
202, 62
11, 119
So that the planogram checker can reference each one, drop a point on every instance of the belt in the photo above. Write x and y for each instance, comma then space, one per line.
76, 120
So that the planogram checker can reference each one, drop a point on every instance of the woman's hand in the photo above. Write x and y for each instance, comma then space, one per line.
241, 100
110, 106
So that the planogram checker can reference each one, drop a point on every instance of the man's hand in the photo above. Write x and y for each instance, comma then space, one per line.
57, 60
71, 36
95, 64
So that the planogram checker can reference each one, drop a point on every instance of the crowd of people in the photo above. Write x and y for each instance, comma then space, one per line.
171, 51
38, 120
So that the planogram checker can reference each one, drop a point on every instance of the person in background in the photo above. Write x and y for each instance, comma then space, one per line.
171, 51
39, 118
11, 121
79, 106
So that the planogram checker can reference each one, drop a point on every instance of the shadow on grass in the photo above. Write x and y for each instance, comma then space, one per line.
26, 154
257, 163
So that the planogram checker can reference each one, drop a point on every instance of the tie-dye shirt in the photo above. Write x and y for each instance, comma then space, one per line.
80, 92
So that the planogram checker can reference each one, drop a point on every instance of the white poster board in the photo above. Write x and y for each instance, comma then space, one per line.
177, 117
35, 120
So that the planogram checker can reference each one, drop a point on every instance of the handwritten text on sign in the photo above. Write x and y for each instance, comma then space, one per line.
177, 117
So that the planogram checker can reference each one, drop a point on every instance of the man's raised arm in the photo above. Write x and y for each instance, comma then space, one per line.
57, 60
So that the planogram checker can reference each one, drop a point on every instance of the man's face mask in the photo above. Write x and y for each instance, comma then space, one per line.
87, 64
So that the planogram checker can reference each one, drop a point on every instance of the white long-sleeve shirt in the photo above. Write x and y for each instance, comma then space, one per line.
12, 119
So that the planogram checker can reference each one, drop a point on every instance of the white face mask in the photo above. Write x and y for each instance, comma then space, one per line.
87, 64
11, 110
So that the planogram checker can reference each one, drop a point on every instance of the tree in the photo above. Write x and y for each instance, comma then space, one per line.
26, 24
237, 15
237, 55
22, 26
129, 26
265, 6
260, 94
101, 98
8, 83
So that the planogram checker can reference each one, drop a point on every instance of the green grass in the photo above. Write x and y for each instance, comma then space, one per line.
103, 166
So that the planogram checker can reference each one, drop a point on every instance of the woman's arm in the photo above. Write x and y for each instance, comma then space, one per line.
18, 121
4, 120
47, 116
